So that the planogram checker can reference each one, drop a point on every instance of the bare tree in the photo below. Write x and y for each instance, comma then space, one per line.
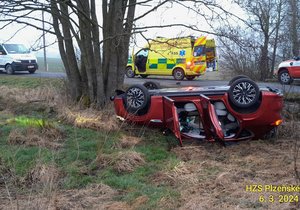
103, 46
257, 32
294, 25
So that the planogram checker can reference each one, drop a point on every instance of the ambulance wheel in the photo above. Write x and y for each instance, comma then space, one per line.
243, 93
190, 77
137, 98
144, 75
9, 69
178, 74
236, 78
129, 72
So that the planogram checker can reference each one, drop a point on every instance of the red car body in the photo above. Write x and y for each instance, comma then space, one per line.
166, 105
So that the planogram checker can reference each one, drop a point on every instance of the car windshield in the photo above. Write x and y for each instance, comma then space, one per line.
16, 48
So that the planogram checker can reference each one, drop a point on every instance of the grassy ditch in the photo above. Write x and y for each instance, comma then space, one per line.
59, 156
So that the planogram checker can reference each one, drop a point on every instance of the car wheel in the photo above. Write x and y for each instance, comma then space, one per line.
31, 71
9, 69
244, 93
178, 74
190, 77
129, 72
144, 75
137, 98
151, 85
236, 78
284, 77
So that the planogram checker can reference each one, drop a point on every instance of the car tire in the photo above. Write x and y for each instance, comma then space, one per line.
243, 93
144, 75
190, 77
236, 78
137, 98
284, 77
178, 74
129, 72
151, 85
9, 69
31, 71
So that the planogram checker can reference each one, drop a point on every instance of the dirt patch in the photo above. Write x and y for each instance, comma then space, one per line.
123, 162
49, 137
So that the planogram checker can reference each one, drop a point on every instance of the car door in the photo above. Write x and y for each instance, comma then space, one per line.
210, 119
296, 69
171, 120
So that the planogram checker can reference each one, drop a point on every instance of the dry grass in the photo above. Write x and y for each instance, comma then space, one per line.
213, 177
123, 162
128, 141
44, 175
49, 137
93, 197
49, 99
207, 175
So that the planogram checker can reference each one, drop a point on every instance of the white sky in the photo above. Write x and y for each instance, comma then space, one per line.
167, 14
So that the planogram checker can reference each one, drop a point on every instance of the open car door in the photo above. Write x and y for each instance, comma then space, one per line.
171, 117
210, 117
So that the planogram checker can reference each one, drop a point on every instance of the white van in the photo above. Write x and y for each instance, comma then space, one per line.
16, 57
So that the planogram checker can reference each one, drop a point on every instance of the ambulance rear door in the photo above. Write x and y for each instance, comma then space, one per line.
199, 56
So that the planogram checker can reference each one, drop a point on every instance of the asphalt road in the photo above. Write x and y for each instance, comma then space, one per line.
168, 81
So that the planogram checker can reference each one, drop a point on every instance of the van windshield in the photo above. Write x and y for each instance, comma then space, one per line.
16, 49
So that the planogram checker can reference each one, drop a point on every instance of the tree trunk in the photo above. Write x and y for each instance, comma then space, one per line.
294, 27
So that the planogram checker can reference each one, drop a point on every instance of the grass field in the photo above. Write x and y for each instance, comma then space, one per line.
54, 64
57, 155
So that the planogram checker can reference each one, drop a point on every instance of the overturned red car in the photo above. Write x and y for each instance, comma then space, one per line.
239, 111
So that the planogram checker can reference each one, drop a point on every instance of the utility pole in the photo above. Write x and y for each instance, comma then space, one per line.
44, 42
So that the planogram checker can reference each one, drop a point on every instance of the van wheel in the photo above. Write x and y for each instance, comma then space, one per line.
31, 71
284, 77
244, 93
9, 69
137, 98
190, 77
129, 72
178, 74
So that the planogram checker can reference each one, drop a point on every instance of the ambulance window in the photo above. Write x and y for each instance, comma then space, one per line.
199, 50
143, 52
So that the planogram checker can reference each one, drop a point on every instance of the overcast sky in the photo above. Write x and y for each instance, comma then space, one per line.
167, 14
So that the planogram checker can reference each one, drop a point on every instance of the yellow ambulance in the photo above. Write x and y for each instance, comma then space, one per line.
185, 57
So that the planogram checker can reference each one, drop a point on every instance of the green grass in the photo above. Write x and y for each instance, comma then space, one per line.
25, 82
76, 158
